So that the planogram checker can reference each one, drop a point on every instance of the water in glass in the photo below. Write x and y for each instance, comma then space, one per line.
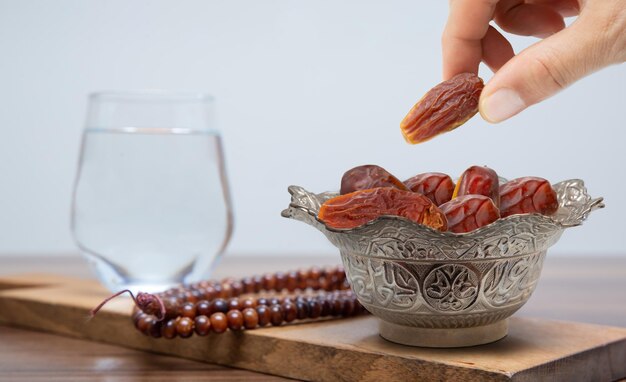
150, 205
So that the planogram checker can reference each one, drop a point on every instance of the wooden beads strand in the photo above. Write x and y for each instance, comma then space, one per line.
328, 279
216, 316
216, 306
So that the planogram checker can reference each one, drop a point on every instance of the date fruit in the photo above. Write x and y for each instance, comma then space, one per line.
526, 196
444, 108
435, 186
368, 176
478, 180
357, 208
469, 212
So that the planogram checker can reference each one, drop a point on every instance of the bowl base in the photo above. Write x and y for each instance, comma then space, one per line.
443, 338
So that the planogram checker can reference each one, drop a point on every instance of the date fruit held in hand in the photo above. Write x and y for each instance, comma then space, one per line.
435, 186
469, 212
368, 176
444, 108
478, 180
357, 208
526, 196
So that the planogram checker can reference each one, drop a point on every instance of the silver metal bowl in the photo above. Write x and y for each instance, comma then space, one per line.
441, 289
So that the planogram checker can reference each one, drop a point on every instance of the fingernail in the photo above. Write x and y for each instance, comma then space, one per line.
502, 104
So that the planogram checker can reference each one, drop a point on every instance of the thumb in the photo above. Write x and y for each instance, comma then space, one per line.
542, 70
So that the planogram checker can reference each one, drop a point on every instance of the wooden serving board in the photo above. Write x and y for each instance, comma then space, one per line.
335, 350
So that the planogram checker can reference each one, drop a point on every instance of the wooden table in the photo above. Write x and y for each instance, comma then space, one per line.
589, 289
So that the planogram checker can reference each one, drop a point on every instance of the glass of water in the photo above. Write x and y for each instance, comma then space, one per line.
151, 205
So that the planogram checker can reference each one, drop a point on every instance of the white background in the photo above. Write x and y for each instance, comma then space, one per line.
304, 89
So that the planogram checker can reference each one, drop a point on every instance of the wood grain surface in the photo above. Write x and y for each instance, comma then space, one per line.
28, 356
337, 350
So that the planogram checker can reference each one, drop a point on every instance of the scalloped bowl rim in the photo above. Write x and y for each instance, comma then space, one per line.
418, 226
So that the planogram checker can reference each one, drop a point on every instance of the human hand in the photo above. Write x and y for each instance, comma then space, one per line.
596, 39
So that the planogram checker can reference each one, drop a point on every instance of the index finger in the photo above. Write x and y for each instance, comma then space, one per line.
467, 24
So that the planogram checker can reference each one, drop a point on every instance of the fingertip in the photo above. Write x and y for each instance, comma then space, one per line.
500, 105
460, 56
484, 115
496, 49
467, 24
553, 27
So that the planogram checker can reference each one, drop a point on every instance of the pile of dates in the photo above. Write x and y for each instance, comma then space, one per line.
432, 199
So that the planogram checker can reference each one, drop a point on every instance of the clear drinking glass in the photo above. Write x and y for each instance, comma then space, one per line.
151, 206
